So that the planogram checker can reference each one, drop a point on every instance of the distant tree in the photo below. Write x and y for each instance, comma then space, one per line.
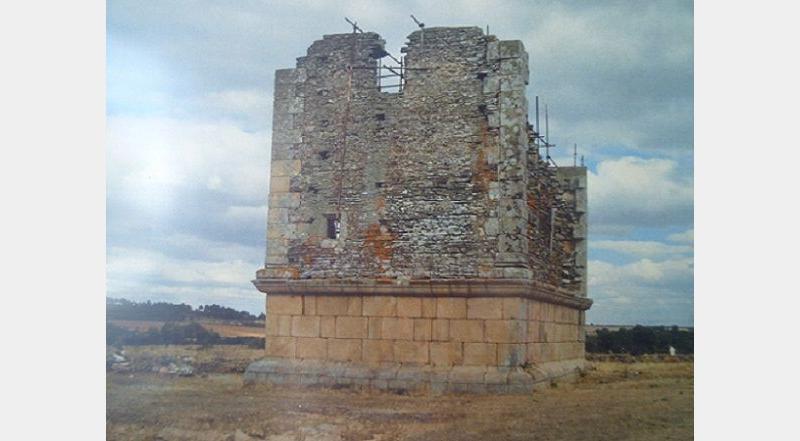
224, 313
122, 309
161, 311
641, 340
169, 334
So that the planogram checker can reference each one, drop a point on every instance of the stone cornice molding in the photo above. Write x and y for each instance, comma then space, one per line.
424, 288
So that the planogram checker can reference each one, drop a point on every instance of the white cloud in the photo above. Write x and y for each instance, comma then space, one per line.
194, 247
150, 158
685, 237
159, 170
641, 248
252, 106
632, 62
186, 268
247, 214
632, 191
644, 292
644, 271
140, 264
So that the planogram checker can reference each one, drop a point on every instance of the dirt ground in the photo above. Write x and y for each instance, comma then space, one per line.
613, 401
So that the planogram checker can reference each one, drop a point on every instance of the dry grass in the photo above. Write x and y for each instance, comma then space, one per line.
211, 359
223, 329
615, 401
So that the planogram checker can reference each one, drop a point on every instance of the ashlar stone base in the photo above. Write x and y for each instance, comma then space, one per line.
410, 379
442, 344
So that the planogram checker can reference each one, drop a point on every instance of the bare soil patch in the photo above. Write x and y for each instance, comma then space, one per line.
614, 401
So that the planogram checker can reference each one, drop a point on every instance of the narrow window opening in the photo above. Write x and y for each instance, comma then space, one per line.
334, 227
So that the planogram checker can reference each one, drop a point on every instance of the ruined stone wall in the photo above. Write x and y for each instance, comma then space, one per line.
573, 182
435, 182
553, 248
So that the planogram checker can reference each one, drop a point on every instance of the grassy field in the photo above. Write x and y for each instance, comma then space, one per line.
223, 329
613, 401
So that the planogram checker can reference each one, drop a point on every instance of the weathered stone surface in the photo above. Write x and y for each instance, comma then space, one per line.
280, 346
422, 329
282, 167
511, 354
506, 331
440, 330
327, 326
467, 374
326, 305
374, 327
290, 305
397, 328
411, 351
466, 330
515, 308
351, 327
279, 325
480, 354
485, 308
409, 307
309, 305
279, 184
305, 326
535, 332
410, 377
377, 351
311, 348
429, 308
454, 308
446, 353
343, 349
383, 306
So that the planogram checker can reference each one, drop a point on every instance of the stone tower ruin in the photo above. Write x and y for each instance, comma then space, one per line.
415, 238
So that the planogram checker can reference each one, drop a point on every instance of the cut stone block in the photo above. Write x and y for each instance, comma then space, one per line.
454, 308
290, 305
351, 327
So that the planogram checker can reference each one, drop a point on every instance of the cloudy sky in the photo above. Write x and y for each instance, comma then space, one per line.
189, 97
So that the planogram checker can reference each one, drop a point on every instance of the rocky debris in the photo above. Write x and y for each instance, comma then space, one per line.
117, 362
179, 369
121, 367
